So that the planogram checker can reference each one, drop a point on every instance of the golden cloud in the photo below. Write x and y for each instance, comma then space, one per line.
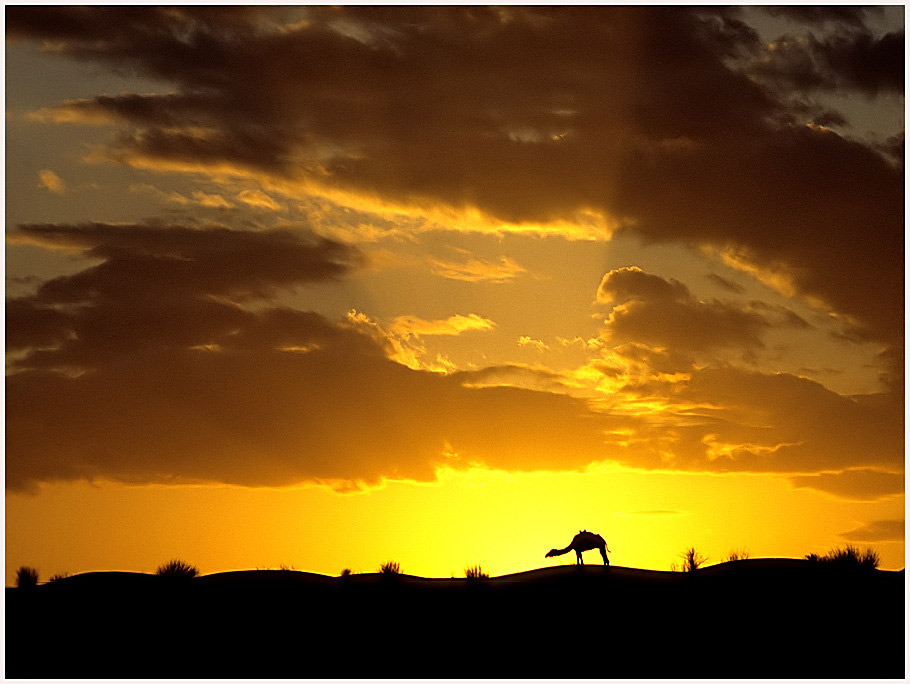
473, 269
52, 182
453, 325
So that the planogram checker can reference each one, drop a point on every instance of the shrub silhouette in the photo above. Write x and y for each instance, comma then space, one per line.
59, 576
474, 572
692, 560
390, 568
741, 554
177, 569
26, 577
346, 572
848, 558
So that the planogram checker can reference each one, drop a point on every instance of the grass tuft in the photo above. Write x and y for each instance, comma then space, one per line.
390, 568
176, 568
475, 572
26, 577
737, 555
848, 558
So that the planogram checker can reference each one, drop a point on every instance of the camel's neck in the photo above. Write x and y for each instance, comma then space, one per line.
560, 552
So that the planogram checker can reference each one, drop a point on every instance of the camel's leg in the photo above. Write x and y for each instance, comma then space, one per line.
603, 552
578, 559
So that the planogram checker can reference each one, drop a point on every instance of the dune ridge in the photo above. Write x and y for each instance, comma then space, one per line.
749, 618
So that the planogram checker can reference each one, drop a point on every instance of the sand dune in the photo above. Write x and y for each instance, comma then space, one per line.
753, 618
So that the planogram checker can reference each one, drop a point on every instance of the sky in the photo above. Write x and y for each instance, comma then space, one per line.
325, 287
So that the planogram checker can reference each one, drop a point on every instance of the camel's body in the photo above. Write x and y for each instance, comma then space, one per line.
583, 541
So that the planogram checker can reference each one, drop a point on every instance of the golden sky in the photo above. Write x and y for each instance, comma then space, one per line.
324, 287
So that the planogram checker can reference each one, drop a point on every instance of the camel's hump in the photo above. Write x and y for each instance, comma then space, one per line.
584, 534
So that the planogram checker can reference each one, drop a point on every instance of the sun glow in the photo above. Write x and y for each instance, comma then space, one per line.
504, 521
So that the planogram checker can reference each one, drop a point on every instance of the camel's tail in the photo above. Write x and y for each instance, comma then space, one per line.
607, 547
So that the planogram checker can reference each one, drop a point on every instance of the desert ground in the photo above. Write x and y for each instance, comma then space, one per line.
742, 619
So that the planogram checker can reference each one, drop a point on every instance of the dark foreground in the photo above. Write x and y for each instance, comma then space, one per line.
754, 618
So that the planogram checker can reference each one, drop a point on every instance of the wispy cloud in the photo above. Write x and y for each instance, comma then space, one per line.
528, 341
453, 325
473, 269
195, 198
257, 198
52, 182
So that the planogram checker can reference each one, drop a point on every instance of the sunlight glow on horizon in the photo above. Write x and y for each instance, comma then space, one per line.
505, 522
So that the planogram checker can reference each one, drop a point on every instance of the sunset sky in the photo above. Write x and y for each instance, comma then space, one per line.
324, 287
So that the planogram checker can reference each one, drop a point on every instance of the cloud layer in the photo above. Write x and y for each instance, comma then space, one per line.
166, 362
167, 356
669, 120
160, 363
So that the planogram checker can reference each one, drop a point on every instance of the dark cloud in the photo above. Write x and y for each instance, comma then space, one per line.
93, 24
784, 423
779, 315
265, 416
802, 220
164, 362
156, 287
649, 115
857, 485
877, 531
30, 324
726, 284
842, 61
821, 14
138, 259
651, 311
727, 420
864, 62
623, 284
647, 359
331, 97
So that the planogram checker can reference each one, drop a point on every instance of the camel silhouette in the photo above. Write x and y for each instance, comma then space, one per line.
583, 541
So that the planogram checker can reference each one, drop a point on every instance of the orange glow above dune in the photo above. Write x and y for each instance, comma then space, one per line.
503, 522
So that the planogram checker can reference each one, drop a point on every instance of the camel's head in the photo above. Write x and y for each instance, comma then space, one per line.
552, 552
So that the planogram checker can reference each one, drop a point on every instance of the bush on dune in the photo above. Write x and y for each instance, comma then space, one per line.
177, 569
692, 561
390, 568
26, 577
848, 558
475, 572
